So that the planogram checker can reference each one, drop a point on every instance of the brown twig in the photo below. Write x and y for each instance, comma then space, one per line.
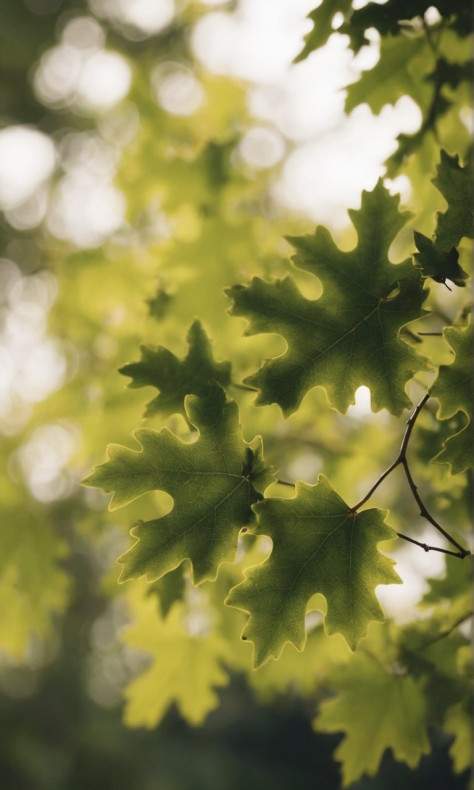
401, 459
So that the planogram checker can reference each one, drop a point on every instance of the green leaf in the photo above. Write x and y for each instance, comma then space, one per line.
453, 386
391, 17
453, 389
185, 668
377, 710
322, 17
168, 589
455, 184
458, 722
350, 336
438, 264
396, 74
34, 588
176, 378
158, 305
319, 546
213, 482
458, 450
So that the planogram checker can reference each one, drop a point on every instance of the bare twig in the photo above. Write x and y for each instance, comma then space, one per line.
245, 387
285, 483
449, 631
402, 460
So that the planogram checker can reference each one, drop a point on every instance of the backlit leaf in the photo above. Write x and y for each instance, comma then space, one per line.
438, 264
186, 667
319, 546
455, 184
322, 18
350, 336
453, 389
176, 378
213, 482
377, 710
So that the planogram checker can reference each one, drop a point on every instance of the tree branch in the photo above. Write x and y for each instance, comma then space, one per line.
427, 547
449, 631
401, 459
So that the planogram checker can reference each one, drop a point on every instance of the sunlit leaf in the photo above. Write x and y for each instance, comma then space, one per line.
186, 667
176, 378
349, 336
376, 710
453, 389
319, 546
213, 482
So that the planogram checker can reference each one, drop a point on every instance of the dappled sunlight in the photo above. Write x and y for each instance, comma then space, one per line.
136, 19
33, 363
27, 160
176, 88
44, 460
80, 72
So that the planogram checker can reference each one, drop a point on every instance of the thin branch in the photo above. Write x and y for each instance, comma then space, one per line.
449, 631
401, 459
424, 512
285, 483
243, 387
401, 455
426, 547
431, 334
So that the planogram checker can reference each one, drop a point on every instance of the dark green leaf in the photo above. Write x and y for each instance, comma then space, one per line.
438, 264
453, 388
176, 378
322, 17
319, 546
213, 482
350, 336
455, 184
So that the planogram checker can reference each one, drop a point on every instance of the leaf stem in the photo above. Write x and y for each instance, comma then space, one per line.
245, 387
401, 459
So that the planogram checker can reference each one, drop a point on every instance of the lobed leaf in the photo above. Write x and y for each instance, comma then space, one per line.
213, 482
438, 264
350, 336
319, 546
322, 18
176, 378
377, 710
455, 184
453, 389
185, 668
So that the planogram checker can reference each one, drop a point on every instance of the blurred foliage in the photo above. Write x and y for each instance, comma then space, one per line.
76, 305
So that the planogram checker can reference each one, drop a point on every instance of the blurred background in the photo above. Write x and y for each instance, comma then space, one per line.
151, 153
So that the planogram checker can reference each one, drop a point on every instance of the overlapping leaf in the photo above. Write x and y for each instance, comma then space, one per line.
319, 545
213, 482
377, 710
322, 18
388, 19
454, 388
350, 336
458, 722
455, 184
33, 586
403, 61
186, 668
438, 264
176, 378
